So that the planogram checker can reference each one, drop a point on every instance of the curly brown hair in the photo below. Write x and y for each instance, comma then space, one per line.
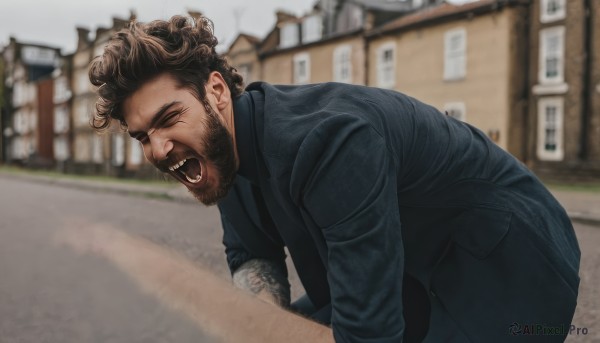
181, 46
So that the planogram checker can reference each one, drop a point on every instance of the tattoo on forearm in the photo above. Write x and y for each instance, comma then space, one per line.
260, 276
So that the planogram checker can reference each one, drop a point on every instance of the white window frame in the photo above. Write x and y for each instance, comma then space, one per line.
61, 148
312, 28
245, 70
386, 70
545, 36
118, 150
61, 118
342, 63
546, 17
97, 149
456, 110
135, 155
288, 35
543, 124
299, 77
455, 58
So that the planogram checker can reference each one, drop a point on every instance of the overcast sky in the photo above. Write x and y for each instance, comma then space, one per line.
53, 22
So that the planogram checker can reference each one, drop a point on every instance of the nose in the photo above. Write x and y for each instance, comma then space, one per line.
160, 146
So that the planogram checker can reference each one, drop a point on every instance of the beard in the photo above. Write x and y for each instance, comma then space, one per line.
220, 152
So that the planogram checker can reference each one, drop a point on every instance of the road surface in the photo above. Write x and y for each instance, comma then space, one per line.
54, 288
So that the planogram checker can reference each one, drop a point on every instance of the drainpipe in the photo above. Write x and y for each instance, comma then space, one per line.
587, 81
526, 87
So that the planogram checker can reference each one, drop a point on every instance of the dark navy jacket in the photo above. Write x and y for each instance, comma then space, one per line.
363, 185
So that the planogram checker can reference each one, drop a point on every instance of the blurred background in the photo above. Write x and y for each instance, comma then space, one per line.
525, 72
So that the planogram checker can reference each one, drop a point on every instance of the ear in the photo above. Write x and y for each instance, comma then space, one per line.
217, 87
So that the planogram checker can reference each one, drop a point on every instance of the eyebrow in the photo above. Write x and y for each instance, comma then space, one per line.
155, 118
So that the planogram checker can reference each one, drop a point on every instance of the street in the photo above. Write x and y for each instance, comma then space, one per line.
50, 293
53, 290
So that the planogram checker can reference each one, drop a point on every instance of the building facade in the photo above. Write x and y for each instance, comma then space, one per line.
564, 115
27, 103
467, 61
62, 99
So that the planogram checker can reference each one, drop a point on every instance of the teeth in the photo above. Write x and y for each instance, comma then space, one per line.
196, 180
177, 165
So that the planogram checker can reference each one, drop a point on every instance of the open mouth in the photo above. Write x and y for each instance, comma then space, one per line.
189, 169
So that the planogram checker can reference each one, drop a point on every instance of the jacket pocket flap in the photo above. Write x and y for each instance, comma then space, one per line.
479, 230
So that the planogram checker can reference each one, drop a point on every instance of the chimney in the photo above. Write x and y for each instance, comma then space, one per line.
195, 14
132, 15
83, 37
283, 16
119, 23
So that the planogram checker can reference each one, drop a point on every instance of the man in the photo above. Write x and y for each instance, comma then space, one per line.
403, 223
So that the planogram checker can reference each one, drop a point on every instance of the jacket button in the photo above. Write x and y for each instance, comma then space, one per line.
432, 293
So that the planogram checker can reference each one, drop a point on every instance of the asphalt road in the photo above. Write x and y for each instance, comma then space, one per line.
52, 291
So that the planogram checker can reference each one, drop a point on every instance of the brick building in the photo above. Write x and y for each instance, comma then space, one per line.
564, 73
27, 103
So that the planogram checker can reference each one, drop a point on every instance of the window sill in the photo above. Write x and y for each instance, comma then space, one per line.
454, 79
544, 89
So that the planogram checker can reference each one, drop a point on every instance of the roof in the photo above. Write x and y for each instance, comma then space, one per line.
250, 38
442, 11
384, 5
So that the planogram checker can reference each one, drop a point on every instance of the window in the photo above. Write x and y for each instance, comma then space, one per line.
456, 110
245, 70
61, 148
301, 68
455, 54
342, 64
552, 55
61, 90
118, 150
33, 120
289, 35
550, 129
552, 10
417, 3
83, 112
386, 65
83, 82
97, 149
61, 119
311, 29
135, 156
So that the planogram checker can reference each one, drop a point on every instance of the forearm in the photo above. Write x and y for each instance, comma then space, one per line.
265, 279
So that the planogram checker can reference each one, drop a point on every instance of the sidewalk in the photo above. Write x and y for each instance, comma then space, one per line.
582, 207
165, 191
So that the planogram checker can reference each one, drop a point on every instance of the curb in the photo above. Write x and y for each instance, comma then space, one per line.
584, 219
175, 193
179, 193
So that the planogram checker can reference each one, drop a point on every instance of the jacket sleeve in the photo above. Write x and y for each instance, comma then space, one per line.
346, 186
246, 234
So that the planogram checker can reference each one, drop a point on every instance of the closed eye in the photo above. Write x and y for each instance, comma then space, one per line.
171, 118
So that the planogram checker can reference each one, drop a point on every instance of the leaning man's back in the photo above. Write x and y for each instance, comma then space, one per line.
388, 189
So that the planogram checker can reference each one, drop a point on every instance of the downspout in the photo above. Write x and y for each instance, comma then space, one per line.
526, 87
587, 82
366, 57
